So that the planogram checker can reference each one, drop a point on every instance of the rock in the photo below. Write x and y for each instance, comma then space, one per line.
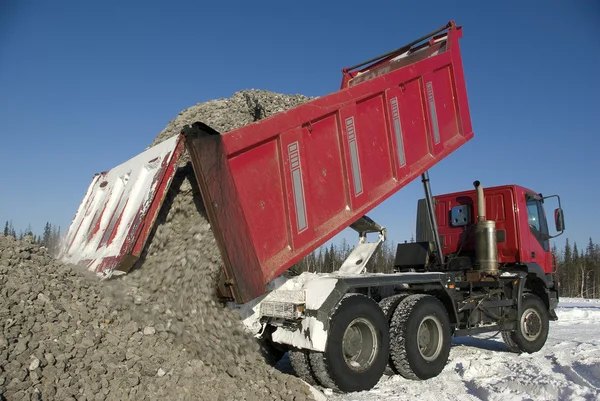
149, 330
35, 363
233, 371
130, 329
21, 347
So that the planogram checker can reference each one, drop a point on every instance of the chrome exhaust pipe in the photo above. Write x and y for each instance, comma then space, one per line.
480, 201
486, 249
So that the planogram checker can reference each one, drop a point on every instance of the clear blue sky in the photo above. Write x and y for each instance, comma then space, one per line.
86, 85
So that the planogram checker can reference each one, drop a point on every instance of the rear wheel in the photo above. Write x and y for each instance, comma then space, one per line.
357, 346
270, 351
420, 337
388, 306
300, 361
532, 326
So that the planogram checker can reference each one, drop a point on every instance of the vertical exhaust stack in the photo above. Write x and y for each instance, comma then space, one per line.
486, 250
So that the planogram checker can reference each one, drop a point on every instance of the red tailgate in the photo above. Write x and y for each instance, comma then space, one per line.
118, 211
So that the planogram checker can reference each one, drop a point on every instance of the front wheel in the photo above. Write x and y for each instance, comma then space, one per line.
532, 326
357, 346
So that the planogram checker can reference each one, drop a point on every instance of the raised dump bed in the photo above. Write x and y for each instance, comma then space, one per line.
283, 186
277, 189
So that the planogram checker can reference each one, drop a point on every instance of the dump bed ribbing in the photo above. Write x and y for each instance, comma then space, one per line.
277, 189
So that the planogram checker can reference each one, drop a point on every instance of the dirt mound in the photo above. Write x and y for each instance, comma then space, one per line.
242, 108
157, 332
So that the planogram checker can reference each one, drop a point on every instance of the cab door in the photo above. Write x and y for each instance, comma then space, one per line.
538, 234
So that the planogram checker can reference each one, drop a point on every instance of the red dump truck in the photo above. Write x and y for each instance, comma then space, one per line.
278, 189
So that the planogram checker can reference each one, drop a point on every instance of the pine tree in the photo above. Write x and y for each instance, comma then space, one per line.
54, 245
576, 277
589, 267
327, 261
6, 229
596, 270
311, 262
572, 272
29, 231
47, 234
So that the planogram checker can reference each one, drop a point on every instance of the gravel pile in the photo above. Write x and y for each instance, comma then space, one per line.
242, 108
157, 332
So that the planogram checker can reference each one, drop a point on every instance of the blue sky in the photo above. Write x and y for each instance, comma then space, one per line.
85, 86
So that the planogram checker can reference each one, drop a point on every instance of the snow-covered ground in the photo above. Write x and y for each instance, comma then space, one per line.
567, 368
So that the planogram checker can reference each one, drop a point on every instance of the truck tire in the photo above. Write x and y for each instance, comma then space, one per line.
357, 349
510, 344
388, 306
532, 326
271, 354
420, 337
300, 362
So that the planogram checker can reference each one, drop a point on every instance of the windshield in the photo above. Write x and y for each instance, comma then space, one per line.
537, 222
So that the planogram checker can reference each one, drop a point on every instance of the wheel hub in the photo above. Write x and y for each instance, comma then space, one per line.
353, 344
429, 338
531, 324
359, 344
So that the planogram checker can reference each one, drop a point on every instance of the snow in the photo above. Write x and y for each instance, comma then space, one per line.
250, 311
359, 257
127, 187
315, 287
315, 340
318, 290
567, 368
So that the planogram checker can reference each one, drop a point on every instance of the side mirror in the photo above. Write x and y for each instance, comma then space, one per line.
559, 219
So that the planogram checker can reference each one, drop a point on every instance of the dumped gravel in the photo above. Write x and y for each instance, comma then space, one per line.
157, 332
223, 115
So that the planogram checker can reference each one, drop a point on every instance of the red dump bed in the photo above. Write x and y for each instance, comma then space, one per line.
278, 189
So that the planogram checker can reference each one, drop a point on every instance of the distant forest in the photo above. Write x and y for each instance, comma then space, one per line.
578, 269
50, 237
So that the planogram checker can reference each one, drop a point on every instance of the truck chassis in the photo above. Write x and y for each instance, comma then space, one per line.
345, 329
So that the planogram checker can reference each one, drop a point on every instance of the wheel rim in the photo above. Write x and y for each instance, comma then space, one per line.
429, 338
360, 344
531, 324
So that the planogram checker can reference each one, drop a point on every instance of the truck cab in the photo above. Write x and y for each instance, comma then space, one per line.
522, 230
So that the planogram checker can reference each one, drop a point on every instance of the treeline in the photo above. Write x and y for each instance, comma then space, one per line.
49, 238
577, 270
329, 259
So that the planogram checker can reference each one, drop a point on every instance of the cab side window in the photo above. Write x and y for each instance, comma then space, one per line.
537, 222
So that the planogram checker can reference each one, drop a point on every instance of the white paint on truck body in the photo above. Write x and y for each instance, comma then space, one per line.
313, 289
286, 296
315, 340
